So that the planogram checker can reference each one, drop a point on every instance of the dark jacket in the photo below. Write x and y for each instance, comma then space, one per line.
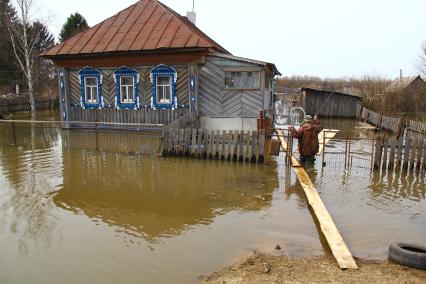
308, 138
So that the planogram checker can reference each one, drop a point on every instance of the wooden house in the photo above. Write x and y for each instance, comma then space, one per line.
148, 65
407, 85
329, 103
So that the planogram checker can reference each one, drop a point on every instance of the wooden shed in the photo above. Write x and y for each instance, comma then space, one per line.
329, 103
148, 65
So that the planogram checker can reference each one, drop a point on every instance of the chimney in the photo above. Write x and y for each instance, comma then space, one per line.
192, 17
400, 75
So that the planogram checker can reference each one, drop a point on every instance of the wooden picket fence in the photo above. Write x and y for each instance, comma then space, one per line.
396, 125
407, 153
416, 129
232, 145
18, 103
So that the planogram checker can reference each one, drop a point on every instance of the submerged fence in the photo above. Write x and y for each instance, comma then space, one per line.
232, 145
406, 154
30, 135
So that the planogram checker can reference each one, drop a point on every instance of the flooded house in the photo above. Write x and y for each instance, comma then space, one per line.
148, 65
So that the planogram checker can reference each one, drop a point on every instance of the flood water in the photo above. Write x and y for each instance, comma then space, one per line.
74, 212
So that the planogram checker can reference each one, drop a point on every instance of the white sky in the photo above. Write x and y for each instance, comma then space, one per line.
326, 38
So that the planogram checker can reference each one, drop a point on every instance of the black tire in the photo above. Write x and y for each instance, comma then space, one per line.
408, 255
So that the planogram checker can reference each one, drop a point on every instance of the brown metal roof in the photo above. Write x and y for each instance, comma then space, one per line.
145, 26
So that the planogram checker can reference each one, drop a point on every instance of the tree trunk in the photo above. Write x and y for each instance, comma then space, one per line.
29, 76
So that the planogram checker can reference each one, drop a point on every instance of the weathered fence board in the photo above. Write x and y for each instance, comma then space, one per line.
242, 146
19, 103
408, 153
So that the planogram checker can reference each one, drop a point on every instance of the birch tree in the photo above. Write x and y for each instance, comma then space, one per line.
23, 39
421, 64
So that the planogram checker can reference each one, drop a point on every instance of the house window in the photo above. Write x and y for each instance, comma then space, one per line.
127, 86
163, 79
91, 91
91, 86
127, 81
242, 80
164, 90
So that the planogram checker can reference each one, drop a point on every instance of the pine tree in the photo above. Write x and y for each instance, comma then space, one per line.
9, 71
43, 70
75, 24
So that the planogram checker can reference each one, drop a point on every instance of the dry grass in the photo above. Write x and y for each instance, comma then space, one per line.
280, 269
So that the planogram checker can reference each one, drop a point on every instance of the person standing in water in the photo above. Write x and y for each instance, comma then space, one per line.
307, 136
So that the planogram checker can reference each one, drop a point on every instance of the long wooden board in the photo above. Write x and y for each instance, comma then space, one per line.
366, 126
328, 228
329, 134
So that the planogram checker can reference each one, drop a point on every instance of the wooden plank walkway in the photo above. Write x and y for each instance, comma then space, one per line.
334, 238
324, 137
366, 126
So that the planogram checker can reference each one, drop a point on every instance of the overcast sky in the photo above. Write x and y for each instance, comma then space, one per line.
326, 38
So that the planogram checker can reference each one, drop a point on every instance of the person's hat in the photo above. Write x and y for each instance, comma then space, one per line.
307, 118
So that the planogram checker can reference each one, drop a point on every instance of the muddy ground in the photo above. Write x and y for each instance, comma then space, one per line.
280, 269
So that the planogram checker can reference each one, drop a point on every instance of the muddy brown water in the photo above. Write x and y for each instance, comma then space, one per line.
71, 214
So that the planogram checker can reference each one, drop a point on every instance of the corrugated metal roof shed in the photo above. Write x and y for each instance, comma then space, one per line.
145, 26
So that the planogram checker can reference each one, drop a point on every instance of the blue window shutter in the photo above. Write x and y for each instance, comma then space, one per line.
128, 72
91, 72
163, 71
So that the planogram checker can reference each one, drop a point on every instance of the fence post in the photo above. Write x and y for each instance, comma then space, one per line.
406, 153
401, 127
378, 153
323, 149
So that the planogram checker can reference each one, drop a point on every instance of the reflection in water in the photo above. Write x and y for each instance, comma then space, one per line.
27, 204
156, 197
108, 209
76, 206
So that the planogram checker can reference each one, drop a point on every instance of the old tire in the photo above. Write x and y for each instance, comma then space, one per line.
408, 255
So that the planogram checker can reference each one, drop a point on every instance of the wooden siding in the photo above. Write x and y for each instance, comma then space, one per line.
111, 115
329, 105
252, 103
145, 86
210, 81
215, 101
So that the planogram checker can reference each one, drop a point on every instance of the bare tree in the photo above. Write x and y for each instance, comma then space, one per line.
24, 37
421, 64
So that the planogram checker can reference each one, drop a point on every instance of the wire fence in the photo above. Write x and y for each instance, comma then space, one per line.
40, 134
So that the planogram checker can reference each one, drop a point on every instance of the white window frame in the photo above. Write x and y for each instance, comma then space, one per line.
91, 88
257, 77
127, 88
164, 86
